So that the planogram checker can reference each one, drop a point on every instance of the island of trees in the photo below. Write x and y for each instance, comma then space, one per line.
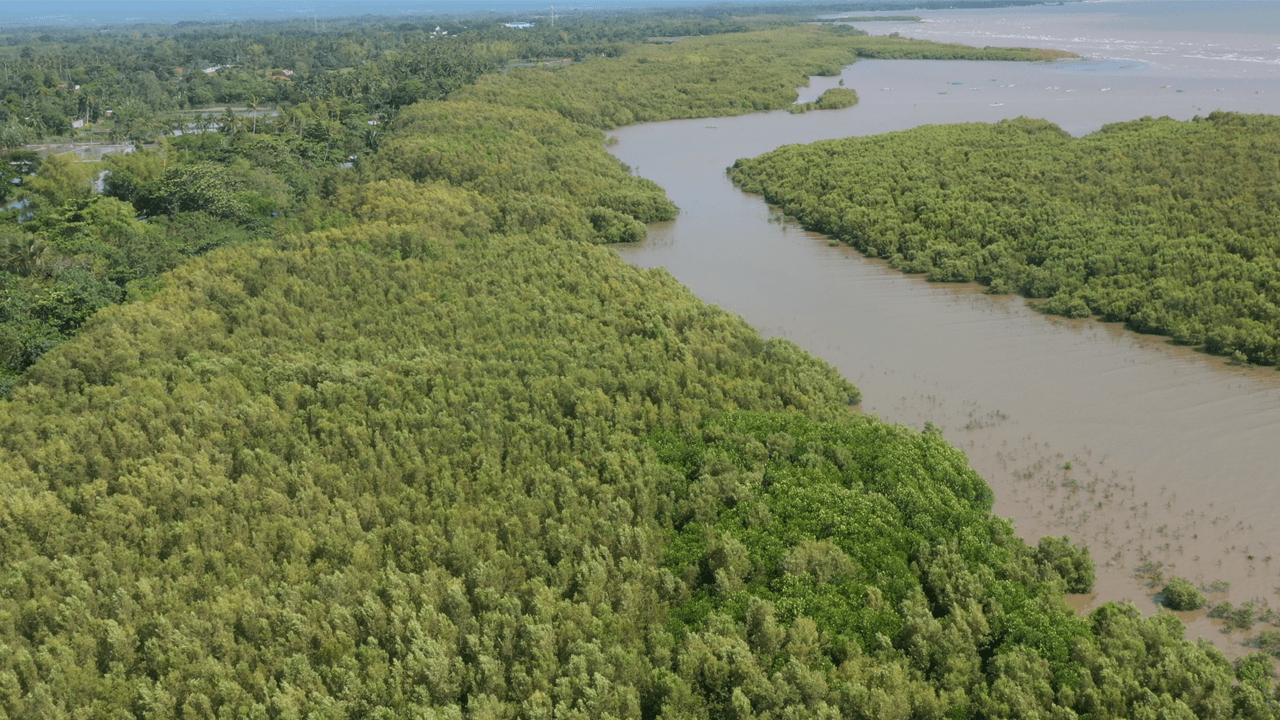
1167, 226
293, 440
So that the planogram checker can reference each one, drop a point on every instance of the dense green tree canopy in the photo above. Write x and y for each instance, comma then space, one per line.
436, 470
398, 440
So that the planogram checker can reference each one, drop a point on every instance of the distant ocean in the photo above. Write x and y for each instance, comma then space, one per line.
1199, 38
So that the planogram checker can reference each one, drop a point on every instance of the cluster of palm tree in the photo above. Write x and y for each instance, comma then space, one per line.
25, 254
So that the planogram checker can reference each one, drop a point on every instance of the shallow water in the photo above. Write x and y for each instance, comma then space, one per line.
1173, 454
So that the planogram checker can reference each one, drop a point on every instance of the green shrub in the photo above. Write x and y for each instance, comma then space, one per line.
836, 98
1269, 642
1240, 618
1180, 594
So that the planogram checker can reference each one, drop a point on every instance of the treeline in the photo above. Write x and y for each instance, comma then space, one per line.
136, 79
708, 76
418, 453
890, 47
521, 139
135, 83
1170, 227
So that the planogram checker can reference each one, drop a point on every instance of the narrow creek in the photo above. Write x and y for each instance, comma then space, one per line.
1145, 451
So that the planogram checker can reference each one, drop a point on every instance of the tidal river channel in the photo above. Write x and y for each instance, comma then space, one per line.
1144, 451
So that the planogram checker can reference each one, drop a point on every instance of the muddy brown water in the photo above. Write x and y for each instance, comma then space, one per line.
1144, 451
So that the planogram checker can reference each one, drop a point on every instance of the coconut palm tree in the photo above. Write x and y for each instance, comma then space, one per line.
25, 254
88, 103
253, 111
230, 122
